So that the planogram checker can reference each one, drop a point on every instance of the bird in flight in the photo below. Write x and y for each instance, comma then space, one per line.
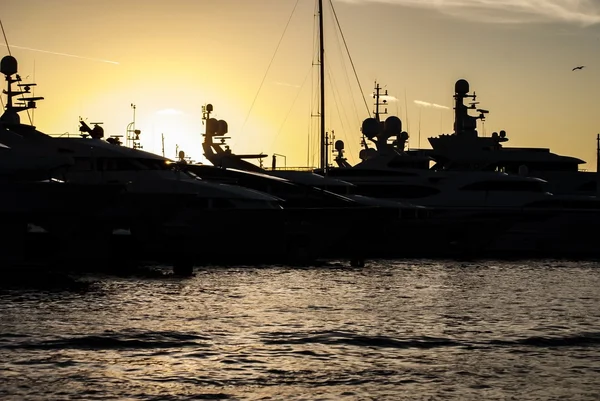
578, 68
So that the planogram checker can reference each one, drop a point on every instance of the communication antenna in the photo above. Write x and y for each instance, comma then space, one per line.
132, 137
419, 127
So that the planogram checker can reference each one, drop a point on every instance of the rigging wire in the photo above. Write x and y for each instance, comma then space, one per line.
291, 107
270, 63
350, 57
5, 40
342, 114
313, 133
337, 101
8, 47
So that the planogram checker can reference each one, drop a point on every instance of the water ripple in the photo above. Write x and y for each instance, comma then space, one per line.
395, 330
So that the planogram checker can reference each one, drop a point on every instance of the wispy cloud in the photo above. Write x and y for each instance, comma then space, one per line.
581, 12
286, 84
61, 54
169, 112
427, 104
387, 98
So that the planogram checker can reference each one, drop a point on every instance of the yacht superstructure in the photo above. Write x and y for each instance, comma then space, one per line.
467, 150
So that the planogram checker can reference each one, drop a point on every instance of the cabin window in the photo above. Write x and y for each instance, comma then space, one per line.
588, 186
566, 203
199, 203
397, 191
82, 164
522, 186
127, 164
541, 166
222, 203
359, 172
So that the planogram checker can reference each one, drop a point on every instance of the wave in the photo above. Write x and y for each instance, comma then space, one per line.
110, 340
425, 342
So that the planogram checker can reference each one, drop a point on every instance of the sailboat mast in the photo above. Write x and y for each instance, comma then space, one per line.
323, 149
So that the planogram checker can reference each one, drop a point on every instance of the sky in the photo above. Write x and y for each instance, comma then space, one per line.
254, 61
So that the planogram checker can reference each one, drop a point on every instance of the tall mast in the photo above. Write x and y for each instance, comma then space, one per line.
323, 150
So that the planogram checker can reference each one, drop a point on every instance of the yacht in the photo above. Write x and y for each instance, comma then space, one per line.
171, 214
417, 231
551, 221
466, 150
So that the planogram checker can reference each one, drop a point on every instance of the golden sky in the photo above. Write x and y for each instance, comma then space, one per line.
95, 58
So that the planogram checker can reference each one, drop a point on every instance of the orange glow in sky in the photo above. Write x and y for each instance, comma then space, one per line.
94, 59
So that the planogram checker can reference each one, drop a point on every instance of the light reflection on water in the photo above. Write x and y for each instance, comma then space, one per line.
392, 330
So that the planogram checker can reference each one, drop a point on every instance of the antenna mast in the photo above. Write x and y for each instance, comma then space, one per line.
132, 137
323, 151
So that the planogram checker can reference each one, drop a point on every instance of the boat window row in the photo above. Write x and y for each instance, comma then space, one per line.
397, 191
519, 186
513, 168
118, 164
359, 172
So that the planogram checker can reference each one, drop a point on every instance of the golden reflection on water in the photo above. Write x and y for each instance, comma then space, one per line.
422, 328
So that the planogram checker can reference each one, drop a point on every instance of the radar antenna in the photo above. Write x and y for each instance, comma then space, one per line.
9, 67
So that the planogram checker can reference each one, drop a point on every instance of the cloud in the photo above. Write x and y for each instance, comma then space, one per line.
387, 98
61, 54
286, 84
169, 112
427, 104
581, 12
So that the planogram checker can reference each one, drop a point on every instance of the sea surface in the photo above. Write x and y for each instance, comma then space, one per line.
393, 330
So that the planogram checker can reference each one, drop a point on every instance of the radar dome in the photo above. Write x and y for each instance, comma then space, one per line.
370, 127
339, 145
222, 128
209, 107
370, 153
502, 134
494, 135
461, 86
392, 125
181, 154
404, 136
367, 154
8, 65
212, 126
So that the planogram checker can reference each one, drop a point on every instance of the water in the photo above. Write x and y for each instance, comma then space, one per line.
414, 330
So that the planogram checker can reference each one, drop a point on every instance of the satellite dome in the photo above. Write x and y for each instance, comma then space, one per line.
461, 86
370, 127
393, 125
8, 65
212, 126
222, 128
339, 145
366, 154
502, 134
404, 136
